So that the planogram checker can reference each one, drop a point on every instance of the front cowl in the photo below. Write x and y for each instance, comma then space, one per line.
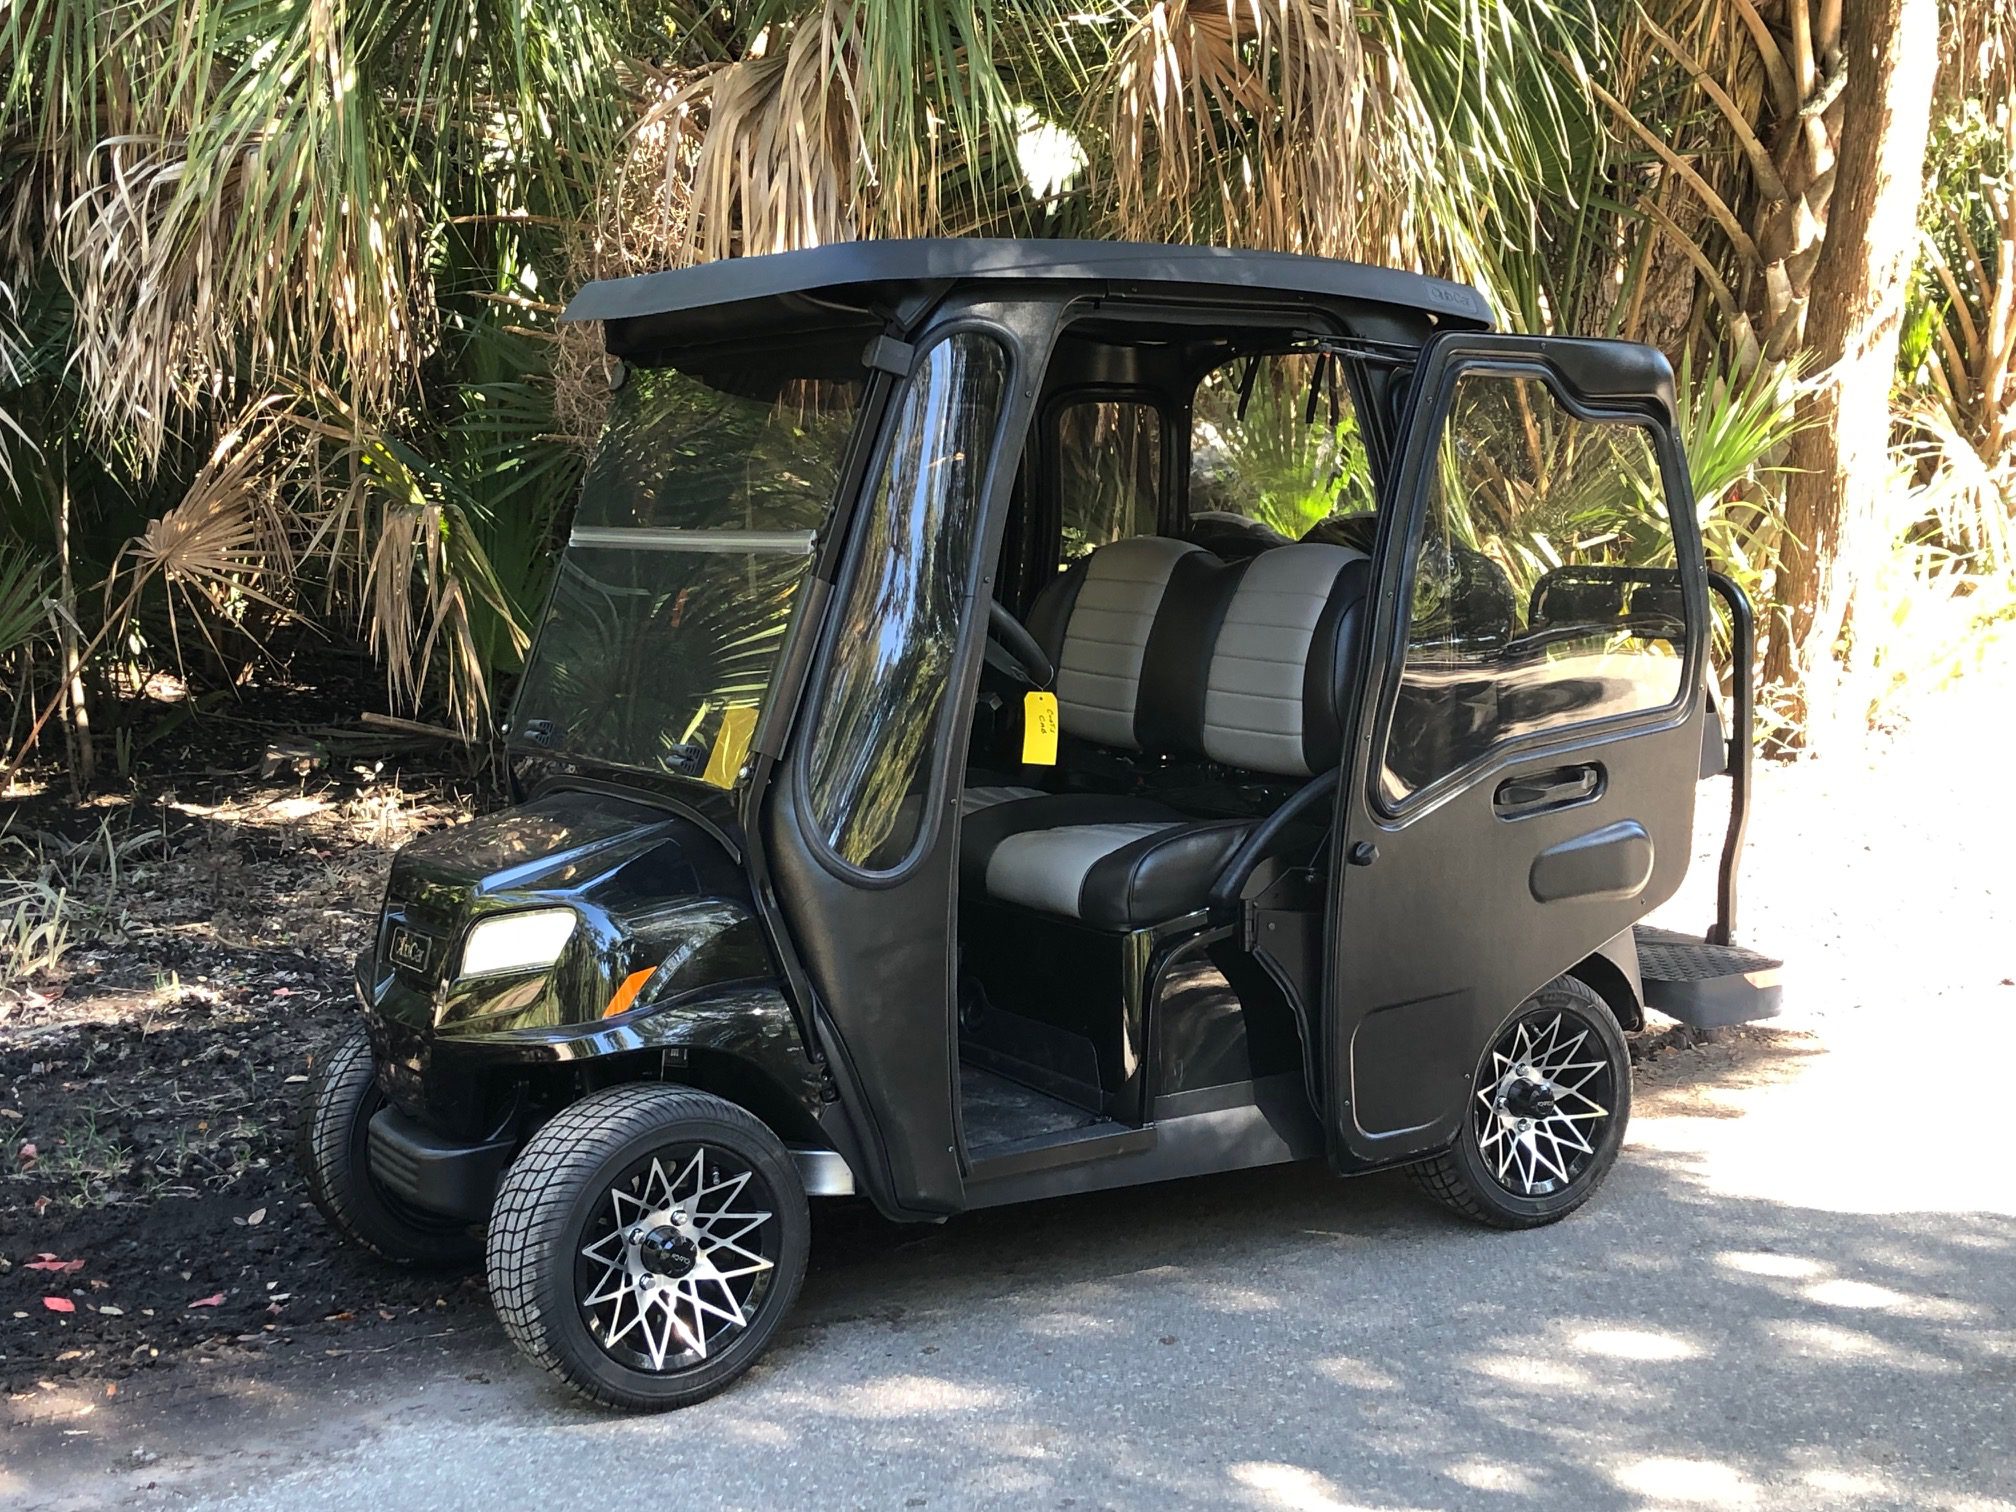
648, 889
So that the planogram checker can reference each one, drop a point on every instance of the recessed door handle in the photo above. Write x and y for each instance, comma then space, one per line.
1541, 792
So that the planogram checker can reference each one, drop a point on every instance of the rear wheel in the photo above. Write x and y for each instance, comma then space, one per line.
1548, 1107
646, 1245
332, 1148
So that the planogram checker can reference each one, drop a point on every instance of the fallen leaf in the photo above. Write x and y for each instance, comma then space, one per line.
41, 1204
112, 1312
48, 1262
59, 1304
28, 1154
256, 1217
213, 1301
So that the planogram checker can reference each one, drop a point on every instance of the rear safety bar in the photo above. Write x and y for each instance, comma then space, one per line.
1742, 719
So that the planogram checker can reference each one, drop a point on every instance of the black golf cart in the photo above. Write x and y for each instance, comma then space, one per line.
1021, 718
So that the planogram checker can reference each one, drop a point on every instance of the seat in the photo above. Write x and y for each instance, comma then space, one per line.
1164, 648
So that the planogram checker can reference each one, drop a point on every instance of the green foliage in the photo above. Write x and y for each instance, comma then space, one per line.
279, 282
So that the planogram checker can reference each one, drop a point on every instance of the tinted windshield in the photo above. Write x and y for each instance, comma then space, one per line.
695, 529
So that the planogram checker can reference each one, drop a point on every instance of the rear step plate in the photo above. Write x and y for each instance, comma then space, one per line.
1707, 986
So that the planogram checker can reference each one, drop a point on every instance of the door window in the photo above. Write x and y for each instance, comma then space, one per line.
1275, 446
1545, 593
875, 736
1109, 474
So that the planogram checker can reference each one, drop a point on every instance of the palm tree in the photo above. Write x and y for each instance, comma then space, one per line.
292, 269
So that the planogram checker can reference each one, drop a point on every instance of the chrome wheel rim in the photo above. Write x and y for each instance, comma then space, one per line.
677, 1258
1544, 1094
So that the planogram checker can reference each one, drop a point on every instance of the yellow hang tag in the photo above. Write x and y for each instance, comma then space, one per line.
1039, 729
724, 765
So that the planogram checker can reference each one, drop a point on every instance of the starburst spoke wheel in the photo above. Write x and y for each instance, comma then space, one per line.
1537, 1117
1548, 1106
647, 1243
680, 1259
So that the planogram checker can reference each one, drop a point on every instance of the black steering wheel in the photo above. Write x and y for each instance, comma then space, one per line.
1019, 647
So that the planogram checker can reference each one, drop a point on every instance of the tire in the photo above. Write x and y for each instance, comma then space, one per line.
612, 1315
333, 1150
1516, 1173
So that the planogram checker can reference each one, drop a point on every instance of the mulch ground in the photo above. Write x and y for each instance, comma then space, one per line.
150, 1212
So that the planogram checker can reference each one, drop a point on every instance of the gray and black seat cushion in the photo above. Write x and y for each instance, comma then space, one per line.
1164, 648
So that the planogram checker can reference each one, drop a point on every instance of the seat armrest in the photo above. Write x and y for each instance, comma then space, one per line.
1238, 869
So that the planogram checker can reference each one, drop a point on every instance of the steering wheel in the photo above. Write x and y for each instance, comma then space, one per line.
1008, 635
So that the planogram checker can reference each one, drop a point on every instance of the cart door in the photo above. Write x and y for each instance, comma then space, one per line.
1521, 779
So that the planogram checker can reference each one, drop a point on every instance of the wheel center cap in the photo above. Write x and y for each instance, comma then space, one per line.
667, 1252
1529, 1099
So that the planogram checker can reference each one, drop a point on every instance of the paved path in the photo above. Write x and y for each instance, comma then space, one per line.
1797, 1290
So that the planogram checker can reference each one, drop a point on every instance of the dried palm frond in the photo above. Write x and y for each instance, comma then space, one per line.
225, 548
1243, 116
845, 119
400, 538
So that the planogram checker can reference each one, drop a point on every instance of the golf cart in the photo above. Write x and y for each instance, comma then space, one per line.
1024, 718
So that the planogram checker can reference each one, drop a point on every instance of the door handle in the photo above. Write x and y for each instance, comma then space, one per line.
1543, 792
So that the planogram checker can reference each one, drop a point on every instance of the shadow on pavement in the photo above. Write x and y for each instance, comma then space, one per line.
1280, 1340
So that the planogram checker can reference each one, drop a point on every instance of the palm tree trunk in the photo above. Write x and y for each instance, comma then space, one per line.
76, 709
1853, 313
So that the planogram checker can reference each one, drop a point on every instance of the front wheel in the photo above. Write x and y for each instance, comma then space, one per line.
647, 1243
333, 1151
1549, 1103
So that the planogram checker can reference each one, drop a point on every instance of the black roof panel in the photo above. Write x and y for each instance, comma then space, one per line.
740, 280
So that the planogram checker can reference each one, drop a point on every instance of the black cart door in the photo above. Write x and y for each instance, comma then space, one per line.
1521, 781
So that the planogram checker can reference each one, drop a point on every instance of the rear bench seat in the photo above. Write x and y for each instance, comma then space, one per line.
1164, 648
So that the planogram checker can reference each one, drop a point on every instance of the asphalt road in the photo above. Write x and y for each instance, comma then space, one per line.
1272, 1341
1798, 1289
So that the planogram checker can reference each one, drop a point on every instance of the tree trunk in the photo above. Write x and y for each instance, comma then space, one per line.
1853, 316
76, 708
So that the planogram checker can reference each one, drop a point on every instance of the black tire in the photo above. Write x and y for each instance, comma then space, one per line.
1472, 1180
332, 1147
558, 1194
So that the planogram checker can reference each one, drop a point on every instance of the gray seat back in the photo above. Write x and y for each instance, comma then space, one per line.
1162, 646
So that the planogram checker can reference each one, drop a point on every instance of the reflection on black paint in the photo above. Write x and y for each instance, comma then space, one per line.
899, 626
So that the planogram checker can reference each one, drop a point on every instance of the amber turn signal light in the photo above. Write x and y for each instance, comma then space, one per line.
627, 993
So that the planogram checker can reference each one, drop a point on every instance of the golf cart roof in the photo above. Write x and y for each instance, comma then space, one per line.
903, 279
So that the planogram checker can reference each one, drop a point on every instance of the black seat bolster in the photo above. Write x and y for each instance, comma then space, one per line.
1159, 877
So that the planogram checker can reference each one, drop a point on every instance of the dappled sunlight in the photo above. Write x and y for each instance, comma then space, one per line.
1643, 1344
1534, 1372
1792, 1267
1492, 1475
1832, 1343
1694, 1482
1070, 1325
1291, 1488
1356, 1375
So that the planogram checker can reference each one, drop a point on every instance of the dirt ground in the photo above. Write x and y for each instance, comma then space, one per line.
150, 1213
150, 1216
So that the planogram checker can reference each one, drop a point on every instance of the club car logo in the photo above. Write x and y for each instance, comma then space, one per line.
410, 949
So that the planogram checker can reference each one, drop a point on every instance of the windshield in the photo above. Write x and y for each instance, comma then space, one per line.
695, 528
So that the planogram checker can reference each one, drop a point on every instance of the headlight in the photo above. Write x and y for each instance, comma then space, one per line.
521, 941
